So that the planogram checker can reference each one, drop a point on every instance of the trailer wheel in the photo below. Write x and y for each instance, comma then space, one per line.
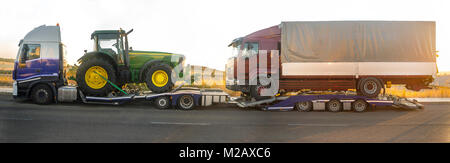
42, 94
186, 102
359, 105
305, 106
334, 106
162, 102
369, 87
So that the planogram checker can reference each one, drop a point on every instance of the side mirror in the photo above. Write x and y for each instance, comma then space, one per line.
23, 56
22, 62
129, 31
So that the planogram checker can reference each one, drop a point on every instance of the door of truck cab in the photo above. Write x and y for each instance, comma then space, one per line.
28, 63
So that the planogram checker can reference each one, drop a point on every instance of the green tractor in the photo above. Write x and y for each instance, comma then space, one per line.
113, 60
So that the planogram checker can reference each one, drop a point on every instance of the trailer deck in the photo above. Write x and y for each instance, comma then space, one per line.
330, 102
194, 97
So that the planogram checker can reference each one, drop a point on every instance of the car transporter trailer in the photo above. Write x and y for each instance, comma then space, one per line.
333, 102
188, 98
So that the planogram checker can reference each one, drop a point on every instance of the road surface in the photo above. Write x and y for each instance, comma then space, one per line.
22, 121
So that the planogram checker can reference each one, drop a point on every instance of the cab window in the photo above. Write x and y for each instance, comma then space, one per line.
250, 48
30, 52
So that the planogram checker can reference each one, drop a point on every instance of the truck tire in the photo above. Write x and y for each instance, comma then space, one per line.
186, 102
158, 78
42, 94
369, 87
305, 106
334, 106
359, 106
162, 102
90, 83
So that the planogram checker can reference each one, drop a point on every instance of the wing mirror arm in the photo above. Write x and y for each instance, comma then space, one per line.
129, 31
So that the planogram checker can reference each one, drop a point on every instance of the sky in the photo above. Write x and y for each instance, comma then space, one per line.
201, 29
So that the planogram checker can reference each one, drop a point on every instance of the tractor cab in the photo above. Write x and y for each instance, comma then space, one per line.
113, 43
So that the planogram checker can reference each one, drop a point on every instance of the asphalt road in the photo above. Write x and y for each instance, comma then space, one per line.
22, 121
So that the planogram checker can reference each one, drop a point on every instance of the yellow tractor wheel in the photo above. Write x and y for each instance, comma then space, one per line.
93, 78
89, 77
159, 79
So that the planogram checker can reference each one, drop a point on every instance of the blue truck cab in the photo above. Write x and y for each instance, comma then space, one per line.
39, 66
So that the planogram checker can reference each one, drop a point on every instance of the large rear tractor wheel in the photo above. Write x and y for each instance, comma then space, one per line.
89, 80
159, 79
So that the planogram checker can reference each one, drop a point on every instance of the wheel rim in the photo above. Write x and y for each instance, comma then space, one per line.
334, 106
162, 102
42, 94
370, 87
93, 80
160, 78
186, 101
303, 106
360, 106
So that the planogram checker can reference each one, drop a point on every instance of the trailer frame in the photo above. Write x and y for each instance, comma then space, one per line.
321, 102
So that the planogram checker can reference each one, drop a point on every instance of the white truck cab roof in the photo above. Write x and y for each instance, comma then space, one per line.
43, 33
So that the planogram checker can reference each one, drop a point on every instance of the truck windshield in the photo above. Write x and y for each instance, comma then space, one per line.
235, 50
250, 49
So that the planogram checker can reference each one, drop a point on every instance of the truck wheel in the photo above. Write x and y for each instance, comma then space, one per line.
186, 102
162, 102
159, 79
42, 94
359, 105
90, 83
305, 106
334, 106
369, 87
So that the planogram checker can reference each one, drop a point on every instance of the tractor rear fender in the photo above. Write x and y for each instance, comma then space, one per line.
146, 67
104, 56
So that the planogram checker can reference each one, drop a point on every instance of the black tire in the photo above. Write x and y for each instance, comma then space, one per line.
305, 106
360, 106
186, 102
42, 94
162, 102
81, 72
369, 87
334, 106
153, 69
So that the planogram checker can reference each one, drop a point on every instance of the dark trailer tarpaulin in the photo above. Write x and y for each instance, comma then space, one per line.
358, 41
